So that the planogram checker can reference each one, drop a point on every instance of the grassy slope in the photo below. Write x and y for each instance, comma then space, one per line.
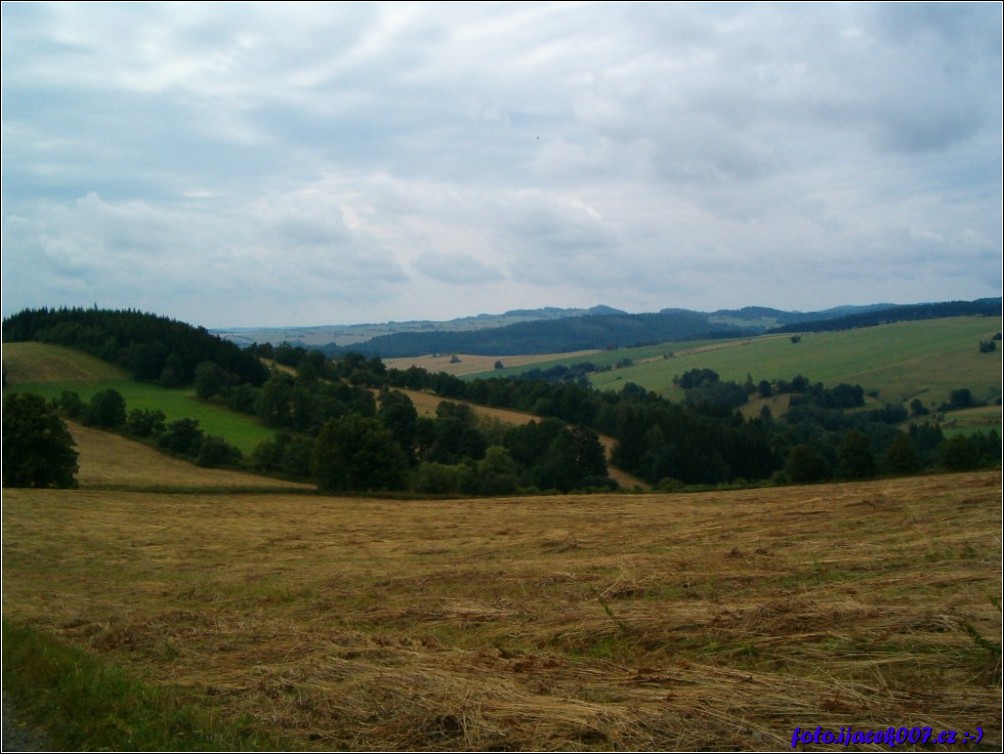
714, 620
48, 370
926, 359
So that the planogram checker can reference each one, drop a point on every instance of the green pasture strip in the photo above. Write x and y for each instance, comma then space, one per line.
84, 703
245, 432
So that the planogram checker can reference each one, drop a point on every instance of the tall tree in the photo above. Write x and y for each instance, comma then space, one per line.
37, 446
356, 453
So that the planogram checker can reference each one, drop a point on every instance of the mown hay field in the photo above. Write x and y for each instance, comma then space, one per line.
717, 620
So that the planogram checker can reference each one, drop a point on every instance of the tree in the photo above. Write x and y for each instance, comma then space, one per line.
806, 464
211, 379
144, 422
398, 415
356, 453
901, 458
958, 453
854, 458
37, 446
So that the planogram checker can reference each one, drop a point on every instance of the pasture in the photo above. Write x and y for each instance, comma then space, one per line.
710, 620
924, 359
48, 370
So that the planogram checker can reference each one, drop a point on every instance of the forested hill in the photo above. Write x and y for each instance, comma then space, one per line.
149, 346
984, 307
563, 335
620, 330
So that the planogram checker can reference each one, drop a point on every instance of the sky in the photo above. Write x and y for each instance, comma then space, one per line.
274, 164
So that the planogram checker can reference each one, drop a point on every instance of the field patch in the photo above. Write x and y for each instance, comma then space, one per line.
43, 362
649, 622
464, 364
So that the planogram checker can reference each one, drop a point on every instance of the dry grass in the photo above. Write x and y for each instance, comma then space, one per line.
474, 364
717, 620
45, 362
108, 460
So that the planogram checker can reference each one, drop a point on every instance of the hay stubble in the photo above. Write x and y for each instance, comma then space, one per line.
718, 620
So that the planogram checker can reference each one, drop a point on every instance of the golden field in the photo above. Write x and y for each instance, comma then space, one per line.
715, 620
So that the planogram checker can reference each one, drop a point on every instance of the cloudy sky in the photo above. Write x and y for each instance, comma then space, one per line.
234, 164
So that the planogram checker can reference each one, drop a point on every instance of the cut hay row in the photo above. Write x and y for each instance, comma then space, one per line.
713, 620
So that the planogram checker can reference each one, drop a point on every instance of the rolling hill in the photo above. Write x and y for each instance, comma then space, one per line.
552, 330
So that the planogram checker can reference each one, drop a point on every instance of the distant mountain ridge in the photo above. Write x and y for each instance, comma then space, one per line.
349, 335
556, 330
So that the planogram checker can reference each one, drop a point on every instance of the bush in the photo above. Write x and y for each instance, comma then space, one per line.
107, 409
182, 437
215, 452
144, 422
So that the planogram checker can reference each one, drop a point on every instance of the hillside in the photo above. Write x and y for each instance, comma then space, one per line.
109, 461
924, 359
148, 346
49, 370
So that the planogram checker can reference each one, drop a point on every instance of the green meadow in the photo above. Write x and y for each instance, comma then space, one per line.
925, 359
48, 370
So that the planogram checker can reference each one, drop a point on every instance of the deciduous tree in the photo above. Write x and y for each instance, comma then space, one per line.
37, 446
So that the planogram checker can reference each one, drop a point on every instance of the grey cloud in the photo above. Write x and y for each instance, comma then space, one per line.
333, 161
458, 268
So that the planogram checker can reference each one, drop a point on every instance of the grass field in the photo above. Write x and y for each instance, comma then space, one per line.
484, 366
48, 370
714, 620
923, 359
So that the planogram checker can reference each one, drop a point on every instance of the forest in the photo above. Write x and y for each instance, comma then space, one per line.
345, 424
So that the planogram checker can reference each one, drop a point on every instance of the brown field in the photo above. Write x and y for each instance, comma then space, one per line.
472, 364
717, 620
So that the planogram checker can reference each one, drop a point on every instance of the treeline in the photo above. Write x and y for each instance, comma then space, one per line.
984, 307
826, 433
150, 347
343, 425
